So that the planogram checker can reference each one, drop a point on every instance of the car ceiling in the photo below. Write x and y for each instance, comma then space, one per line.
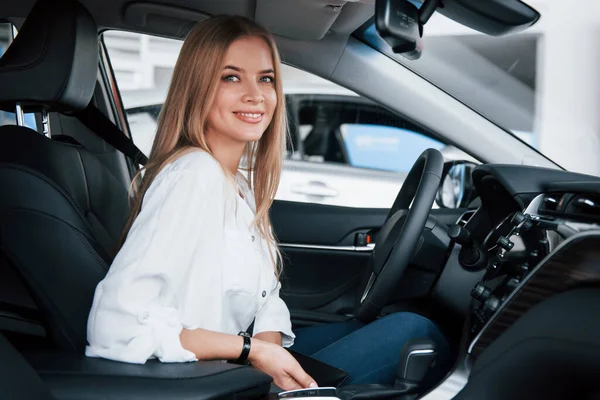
315, 35
310, 34
306, 20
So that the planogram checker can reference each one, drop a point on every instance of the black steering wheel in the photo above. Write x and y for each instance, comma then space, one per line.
400, 234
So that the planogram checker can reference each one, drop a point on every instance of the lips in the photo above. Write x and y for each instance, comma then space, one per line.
249, 117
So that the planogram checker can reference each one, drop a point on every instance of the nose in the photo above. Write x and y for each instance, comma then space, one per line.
253, 94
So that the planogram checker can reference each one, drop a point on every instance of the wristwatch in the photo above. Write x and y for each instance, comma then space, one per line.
243, 358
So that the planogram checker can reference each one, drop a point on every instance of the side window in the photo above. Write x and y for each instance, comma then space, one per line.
384, 147
345, 150
143, 66
10, 118
348, 150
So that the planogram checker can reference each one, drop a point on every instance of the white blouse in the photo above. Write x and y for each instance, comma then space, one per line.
191, 260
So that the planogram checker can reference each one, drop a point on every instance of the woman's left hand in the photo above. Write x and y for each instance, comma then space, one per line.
278, 363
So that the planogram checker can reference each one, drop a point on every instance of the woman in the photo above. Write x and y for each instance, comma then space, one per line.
198, 264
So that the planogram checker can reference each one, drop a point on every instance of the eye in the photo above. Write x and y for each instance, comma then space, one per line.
267, 79
231, 78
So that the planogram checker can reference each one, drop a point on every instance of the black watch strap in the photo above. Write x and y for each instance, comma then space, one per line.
243, 358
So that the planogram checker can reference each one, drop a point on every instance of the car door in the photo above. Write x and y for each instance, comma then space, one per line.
325, 260
349, 161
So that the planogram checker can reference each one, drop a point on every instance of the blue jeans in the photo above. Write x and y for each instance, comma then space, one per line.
370, 352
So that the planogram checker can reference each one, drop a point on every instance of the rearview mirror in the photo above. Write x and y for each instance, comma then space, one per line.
457, 189
397, 22
400, 22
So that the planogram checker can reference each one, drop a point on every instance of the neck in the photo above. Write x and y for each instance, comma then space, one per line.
226, 151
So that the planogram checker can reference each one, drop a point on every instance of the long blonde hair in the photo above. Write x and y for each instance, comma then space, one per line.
182, 121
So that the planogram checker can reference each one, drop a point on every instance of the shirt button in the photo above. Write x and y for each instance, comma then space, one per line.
144, 317
264, 293
253, 238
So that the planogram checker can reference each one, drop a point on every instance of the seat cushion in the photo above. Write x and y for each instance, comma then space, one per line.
71, 376
18, 380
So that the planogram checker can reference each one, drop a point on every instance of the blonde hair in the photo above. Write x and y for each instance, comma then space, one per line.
182, 121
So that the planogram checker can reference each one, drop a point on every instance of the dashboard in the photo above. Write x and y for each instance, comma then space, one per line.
535, 234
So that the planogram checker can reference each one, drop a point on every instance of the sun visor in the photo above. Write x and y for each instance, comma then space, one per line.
310, 19
162, 19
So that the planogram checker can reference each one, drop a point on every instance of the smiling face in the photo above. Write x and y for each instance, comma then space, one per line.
246, 97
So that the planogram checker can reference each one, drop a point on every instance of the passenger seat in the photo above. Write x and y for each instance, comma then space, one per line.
61, 213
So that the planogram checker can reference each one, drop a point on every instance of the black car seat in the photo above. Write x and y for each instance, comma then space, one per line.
19, 381
62, 211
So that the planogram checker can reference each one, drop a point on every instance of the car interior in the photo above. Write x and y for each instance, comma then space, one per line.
509, 275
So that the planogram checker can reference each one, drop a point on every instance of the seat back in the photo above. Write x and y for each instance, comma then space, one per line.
61, 209
18, 380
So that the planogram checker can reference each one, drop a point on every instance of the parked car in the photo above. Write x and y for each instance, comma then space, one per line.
344, 150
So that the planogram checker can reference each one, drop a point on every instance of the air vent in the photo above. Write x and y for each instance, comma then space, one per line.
462, 221
586, 206
580, 206
551, 204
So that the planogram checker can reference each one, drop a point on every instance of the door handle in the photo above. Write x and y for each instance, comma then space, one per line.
315, 188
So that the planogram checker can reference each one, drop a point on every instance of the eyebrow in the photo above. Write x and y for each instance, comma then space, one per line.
238, 69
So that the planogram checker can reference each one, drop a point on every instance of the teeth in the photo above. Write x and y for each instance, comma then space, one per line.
250, 115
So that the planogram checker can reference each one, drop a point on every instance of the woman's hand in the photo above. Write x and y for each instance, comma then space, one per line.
278, 363
270, 358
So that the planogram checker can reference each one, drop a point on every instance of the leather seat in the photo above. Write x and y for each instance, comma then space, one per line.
19, 381
61, 214
61, 211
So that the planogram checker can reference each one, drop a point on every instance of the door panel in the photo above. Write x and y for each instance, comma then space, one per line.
322, 267
318, 224
321, 281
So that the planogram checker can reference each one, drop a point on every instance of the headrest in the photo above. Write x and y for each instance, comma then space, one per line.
53, 61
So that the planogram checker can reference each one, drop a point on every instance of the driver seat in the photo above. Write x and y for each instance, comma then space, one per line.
61, 213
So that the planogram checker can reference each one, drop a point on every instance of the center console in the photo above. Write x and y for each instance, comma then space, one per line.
550, 247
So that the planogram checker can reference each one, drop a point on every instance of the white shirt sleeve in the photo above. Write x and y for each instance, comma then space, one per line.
134, 315
274, 316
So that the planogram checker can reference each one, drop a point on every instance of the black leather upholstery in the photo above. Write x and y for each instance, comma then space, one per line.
52, 62
61, 214
79, 377
59, 226
72, 376
18, 380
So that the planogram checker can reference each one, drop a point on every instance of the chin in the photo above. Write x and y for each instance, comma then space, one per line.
250, 136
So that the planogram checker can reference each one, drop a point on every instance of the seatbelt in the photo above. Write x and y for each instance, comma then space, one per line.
99, 123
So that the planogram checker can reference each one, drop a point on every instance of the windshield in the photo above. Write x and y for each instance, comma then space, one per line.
496, 76
542, 84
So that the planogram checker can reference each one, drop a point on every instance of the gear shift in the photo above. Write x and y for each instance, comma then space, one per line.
416, 358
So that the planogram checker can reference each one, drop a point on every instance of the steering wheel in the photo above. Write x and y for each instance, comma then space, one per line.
400, 234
